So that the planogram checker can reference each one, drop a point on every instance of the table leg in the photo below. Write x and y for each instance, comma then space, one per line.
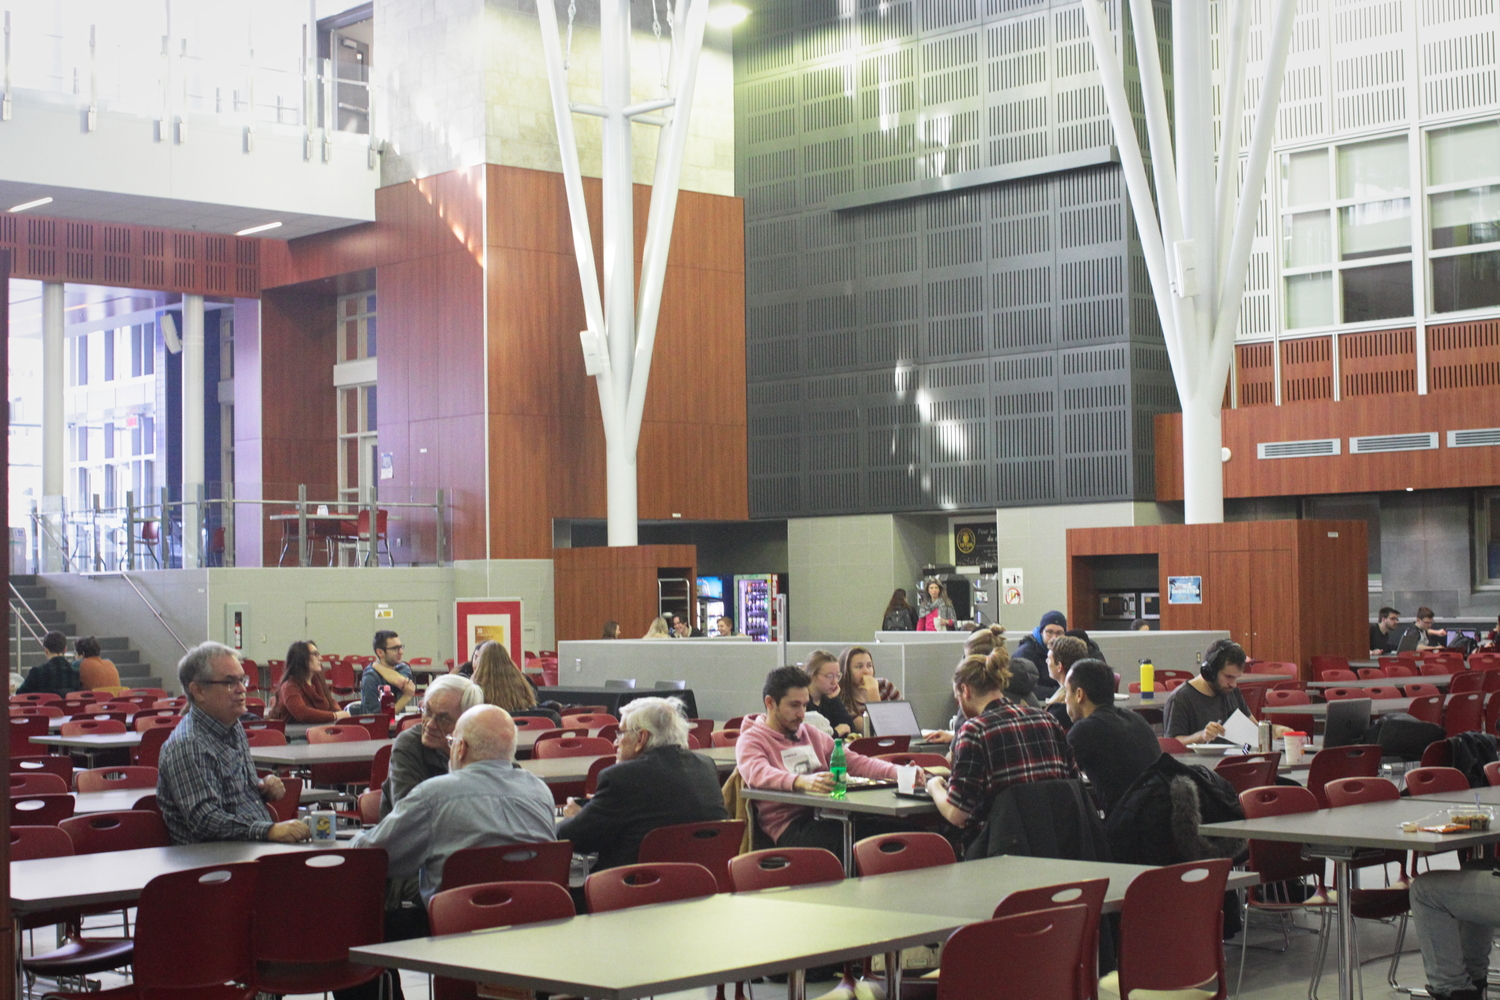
796, 985
847, 819
893, 975
1346, 928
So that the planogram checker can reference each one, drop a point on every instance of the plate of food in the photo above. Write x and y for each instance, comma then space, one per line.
1214, 749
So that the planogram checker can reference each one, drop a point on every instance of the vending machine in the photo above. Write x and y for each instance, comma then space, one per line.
755, 602
710, 603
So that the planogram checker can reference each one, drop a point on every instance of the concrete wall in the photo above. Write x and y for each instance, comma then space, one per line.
1426, 551
528, 579
841, 571
107, 605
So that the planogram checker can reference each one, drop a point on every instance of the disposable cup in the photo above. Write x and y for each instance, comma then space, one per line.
906, 777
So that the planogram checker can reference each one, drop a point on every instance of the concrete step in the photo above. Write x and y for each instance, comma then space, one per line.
25, 580
30, 593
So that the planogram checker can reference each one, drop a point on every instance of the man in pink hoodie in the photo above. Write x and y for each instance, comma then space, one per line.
777, 750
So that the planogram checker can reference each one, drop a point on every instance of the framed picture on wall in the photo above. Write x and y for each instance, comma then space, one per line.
496, 619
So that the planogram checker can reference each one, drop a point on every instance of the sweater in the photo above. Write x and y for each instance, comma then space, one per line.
97, 672
310, 703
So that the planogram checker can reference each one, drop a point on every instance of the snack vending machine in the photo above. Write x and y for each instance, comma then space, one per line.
710, 603
755, 601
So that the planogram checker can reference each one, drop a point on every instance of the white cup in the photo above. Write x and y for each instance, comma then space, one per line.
324, 824
1295, 743
322, 508
906, 778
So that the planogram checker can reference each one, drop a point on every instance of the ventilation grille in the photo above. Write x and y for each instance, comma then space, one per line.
1392, 442
1297, 449
1485, 437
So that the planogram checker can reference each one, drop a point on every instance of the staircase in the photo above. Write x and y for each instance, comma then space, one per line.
48, 616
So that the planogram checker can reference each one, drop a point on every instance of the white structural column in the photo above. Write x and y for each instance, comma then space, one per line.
1196, 235
54, 448
192, 427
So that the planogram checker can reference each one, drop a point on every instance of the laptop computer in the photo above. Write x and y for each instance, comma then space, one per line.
893, 718
1409, 640
1347, 722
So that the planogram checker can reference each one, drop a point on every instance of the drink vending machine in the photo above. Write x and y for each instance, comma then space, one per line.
755, 602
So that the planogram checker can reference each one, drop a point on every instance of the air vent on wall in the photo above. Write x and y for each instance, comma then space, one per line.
1392, 442
1484, 437
1297, 449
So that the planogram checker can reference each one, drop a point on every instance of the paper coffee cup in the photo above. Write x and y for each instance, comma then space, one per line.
1295, 744
324, 823
906, 777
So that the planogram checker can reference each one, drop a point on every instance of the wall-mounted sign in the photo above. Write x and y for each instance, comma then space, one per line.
478, 621
1184, 590
1011, 585
975, 544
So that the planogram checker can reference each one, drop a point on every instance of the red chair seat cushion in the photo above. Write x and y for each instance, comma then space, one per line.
81, 958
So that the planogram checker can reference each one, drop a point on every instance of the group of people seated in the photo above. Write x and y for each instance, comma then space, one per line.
62, 676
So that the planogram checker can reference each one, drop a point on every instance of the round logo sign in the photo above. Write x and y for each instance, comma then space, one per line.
965, 540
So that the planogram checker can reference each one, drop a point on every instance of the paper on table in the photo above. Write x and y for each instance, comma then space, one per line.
1239, 729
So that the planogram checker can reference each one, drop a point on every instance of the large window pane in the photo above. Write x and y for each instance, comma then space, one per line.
1307, 239
1380, 292
1373, 169
1464, 152
1466, 218
1468, 281
1375, 229
1309, 300
1304, 177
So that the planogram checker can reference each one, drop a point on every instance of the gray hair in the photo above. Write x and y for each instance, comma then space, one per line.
198, 663
469, 693
664, 718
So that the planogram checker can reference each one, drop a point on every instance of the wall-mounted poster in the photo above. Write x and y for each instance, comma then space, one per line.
975, 543
1184, 590
485, 619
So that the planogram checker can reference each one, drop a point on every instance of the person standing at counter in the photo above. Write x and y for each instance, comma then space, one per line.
899, 615
935, 611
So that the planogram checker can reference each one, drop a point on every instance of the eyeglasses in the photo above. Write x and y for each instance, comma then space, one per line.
392, 649
441, 720
242, 681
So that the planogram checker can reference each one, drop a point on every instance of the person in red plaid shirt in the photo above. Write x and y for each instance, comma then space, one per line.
1002, 743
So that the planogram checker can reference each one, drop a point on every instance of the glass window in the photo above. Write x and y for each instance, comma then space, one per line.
1466, 218
1370, 170
1466, 281
1307, 239
1464, 152
1309, 300
1304, 177
1376, 229
1380, 292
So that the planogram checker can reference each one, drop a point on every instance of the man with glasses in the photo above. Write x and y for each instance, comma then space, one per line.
206, 784
390, 669
421, 752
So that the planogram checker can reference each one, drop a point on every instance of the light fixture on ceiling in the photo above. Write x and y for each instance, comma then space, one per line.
30, 204
727, 15
258, 229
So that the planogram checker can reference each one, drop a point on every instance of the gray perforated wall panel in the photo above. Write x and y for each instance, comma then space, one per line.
990, 346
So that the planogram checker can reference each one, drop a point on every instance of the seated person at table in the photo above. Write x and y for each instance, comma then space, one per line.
858, 685
1456, 914
303, 694
1429, 636
1002, 743
500, 680
56, 675
485, 798
823, 697
1034, 645
1061, 655
1385, 634
94, 671
421, 752
657, 782
389, 669
206, 785
1113, 746
780, 751
1196, 711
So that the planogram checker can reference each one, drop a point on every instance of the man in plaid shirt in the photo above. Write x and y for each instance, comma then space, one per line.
1003, 743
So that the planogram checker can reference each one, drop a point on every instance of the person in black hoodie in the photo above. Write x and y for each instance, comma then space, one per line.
57, 675
1034, 647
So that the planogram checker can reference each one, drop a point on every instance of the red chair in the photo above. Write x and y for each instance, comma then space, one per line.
355, 772
1421, 690
1248, 774
589, 720
1322, 663
297, 948
591, 780
1255, 697
84, 697
558, 734
166, 718
1398, 670
1492, 708
733, 723
151, 692
1050, 940
586, 746
1428, 708
1359, 761
724, 737
285, 808
40, 698
177, 703
341, 676
1492, 772
1382, 691
1370, 673
105, 779
380, 768
1337, 675
900, 852
277, 724
1464, 713
47, 711
529, 722
265, 738
1280, 697
710, 844
1437, 754
147, 803
1171, 929
101, 833
873, 746
547, 861
40, 810
22, 729
1090, 895
1433, 780
377, 725
26, 785
701, 728
1172, 745
486, 905
411, 719
784, 866
28, 843
93, 727
611, 732
923, 760
50, 763
1491, 678
1339, 694
1467, 681
641, 885
1433, 668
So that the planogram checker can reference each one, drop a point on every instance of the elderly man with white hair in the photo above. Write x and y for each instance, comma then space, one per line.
421, 752
657, 782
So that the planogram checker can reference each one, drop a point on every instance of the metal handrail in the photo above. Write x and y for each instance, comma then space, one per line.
16, 596
152, 608
41, 525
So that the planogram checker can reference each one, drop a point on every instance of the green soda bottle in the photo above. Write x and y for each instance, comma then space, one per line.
839, 768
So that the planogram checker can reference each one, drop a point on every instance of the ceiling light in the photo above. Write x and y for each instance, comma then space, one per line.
728, 15
31, 204
258, 229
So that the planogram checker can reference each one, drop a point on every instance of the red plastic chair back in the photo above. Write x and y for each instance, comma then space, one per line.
337, 734
1339, 694
51, 763
1370, 673
1255, 697
285, 808
22, 729
1428, 708
611, 732
532, 722
1171, 927
177, 703
153, 693
872, 746
380, 767
1090, 895
1279, 696
1338, 675
724, 737
40, 698
1394, 669
411, 719
783, 866
99, 833
1492, 772
40, 810
192, 929
1491, 678
1383, 691
710, 844
288, 929
1421, 690
92, 727
558, 734
1464, 713
703, 729
1171, 744
166, 719
548, 861
26, 784
486, 905
1322, 663
377, 725
1050, 940
104, 779
641, 885
1274, 860
923, 760
589, 720
46, 711
1467, 681
147, 803
900, 852
148, 752
1248, 774
586, 746
1359, 761
28, 843
591, 780
1358, 791
77, 697
1437, 754
340, 676
1432, 668
265, 737
1432, 780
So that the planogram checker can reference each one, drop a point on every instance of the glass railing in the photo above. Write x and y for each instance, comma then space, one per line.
221, 525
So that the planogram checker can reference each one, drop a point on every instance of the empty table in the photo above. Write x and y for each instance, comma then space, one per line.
1319, 710
308, 754
1436, 680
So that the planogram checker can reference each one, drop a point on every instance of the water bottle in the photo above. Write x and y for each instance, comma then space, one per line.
839, 768
387, 700
1148, 680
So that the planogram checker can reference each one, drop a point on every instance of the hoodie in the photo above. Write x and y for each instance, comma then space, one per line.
758, 757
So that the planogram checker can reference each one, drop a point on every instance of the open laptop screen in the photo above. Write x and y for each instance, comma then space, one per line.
1348, 720
893, 718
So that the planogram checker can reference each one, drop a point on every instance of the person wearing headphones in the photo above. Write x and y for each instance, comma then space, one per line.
1197, 710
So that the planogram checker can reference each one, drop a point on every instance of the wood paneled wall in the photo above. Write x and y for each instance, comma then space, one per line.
1285, 590
593, 586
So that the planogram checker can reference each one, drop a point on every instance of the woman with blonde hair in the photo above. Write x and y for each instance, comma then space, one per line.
500, 679
660, 629
824, 670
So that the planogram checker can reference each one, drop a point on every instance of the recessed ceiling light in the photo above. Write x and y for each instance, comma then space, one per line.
30, 204
727, 15
258, 229
1409, 489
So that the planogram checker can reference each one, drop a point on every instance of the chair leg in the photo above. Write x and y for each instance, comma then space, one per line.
1396, 956
1317, 976
1244, 942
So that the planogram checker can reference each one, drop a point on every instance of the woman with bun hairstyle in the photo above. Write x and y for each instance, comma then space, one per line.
1001, 743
